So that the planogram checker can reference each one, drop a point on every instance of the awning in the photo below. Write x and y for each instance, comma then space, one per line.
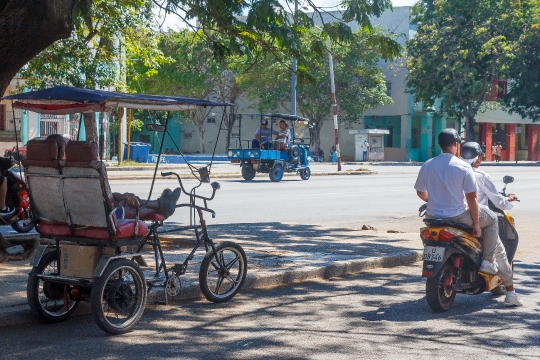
61, 100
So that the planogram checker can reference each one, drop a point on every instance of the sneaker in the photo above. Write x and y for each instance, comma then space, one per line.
489, 268
6, 211
167, 201
512, 299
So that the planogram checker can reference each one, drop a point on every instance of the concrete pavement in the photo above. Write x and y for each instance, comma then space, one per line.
278, 254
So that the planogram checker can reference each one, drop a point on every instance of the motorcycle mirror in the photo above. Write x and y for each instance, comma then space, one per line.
508, 179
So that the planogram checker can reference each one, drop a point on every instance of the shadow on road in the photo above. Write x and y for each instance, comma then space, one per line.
379, 313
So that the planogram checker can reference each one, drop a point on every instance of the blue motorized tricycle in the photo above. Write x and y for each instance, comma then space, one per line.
273, 149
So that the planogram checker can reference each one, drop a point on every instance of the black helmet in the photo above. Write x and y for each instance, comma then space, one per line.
448, 136
471, 150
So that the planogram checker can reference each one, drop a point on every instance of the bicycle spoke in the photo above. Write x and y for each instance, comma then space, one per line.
218, 284
233, 261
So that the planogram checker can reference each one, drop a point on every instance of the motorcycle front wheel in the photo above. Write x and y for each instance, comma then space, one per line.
439, 293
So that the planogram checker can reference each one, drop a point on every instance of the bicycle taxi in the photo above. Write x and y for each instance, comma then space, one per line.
266, 155
96, 256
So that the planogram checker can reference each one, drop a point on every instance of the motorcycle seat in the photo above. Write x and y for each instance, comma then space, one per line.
443, 222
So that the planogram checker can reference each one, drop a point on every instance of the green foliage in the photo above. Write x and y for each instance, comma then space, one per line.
524, 67
250, 28
359, 81
192, 70
91, 57
460, 48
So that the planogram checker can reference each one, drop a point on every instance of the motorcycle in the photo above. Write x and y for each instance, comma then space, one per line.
452, 257
18, 199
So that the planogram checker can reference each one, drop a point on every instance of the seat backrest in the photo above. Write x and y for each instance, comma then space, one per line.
75, 192
87, 196
42, 169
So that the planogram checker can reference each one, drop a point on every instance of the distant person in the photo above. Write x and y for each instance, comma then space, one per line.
263, 136
283, 136
483, 147
497, 150
365, 149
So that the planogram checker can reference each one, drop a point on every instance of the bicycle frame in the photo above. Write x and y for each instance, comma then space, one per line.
200, 229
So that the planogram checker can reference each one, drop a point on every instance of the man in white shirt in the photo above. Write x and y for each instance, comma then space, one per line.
448, 185
471, 152
365, 148
283, 136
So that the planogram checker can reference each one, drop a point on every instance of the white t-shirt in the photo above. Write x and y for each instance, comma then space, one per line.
488, 191
446, 179
365, 146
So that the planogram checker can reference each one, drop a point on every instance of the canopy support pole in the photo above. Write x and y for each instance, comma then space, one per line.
16, 140
159, 155
80, 124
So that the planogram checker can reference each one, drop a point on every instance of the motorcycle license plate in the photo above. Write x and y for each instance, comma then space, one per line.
433, 253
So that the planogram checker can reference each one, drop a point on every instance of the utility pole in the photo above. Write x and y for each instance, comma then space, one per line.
294, 68
334, 102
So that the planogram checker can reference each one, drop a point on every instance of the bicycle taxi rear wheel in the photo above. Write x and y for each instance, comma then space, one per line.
118, 297
49, 301
221, 279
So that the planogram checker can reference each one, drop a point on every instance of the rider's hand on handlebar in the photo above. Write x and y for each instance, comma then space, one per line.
512, 197
477, 231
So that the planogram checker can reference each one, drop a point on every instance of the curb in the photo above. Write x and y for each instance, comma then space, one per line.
234, 175
22, 313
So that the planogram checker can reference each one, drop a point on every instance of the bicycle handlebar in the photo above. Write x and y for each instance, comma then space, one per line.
215, 186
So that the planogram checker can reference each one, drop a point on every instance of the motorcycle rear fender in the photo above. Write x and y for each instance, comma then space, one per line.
459, 246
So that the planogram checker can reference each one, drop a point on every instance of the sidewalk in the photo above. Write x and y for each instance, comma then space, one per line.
228, 170
278, 254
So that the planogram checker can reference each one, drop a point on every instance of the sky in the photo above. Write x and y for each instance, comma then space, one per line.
172, 21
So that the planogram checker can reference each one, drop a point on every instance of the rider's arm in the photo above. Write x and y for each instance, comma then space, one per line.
422, 195
487, 185
472, 202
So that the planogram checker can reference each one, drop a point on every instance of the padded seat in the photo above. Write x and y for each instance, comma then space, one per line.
125, 229
153, 217
43, 154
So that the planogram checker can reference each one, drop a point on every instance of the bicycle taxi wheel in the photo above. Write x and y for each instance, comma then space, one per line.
220, 279
49, 301
118, 297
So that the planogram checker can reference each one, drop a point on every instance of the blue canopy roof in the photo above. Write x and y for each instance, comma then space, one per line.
66, 100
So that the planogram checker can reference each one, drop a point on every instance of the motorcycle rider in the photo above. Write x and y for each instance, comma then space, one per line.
471, 153
448, 185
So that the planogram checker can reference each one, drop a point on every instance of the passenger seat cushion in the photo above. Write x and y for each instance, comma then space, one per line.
42, 153
81, 153
49, 229
124, 230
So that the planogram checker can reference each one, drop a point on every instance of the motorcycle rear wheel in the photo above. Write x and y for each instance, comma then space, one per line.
25, 225
440, 297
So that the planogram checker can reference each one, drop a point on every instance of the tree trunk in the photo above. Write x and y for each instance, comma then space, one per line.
469, 128
316, 134
200, 126
90, 127
26, 28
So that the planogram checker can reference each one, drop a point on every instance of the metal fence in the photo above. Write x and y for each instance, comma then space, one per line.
9, 122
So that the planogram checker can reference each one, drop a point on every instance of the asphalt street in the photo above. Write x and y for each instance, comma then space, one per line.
386, 201
376, 314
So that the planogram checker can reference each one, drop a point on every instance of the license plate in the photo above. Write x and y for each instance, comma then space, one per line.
433, 253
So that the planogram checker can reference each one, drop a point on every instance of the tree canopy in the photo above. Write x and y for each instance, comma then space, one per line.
460, 49
28, 27
523, 95
191, 70
359, 81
